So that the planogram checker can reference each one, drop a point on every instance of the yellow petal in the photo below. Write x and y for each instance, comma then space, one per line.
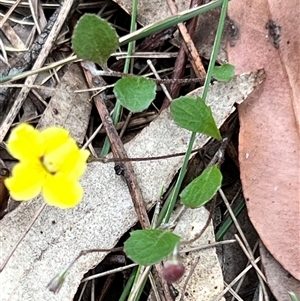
25, 142
54, 137
61, 192
80, 167
67, 159
26, 181
75, 166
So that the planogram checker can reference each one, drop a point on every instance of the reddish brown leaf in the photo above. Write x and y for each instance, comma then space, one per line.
269, 137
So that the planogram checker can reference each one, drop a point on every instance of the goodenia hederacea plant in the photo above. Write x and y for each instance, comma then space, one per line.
135, 93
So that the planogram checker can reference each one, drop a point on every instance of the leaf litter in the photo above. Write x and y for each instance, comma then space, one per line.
59, 235
70, 229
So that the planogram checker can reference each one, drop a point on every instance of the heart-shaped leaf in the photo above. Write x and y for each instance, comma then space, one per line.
193, 114
202, 189
150, 246
135, 92
94, 39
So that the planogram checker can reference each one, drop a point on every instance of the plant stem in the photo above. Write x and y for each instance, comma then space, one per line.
129, 283
118, 107
204, 95
182, 172
169, 22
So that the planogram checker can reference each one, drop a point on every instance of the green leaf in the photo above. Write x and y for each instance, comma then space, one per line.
149, 246
224, 73
202, 189
94, 39
135, 92
194, 115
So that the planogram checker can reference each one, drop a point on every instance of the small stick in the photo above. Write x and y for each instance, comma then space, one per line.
149, 62
235, 280
90, 66
116, 270
138, 159
188, 278
261, 280
22, 237
249, 258
189, 45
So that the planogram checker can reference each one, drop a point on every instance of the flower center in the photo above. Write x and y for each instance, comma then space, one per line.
54, 160
47, 167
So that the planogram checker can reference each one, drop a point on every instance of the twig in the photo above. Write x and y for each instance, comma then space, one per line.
119, 151
235, 280
134, 189
249, 258
234, 293
192, 268
182, 56
261, 280
136, 159
26, 60
116, 270
164, 88
22, 237
188, 44
203, 247
90, 66
12, 8
237, 288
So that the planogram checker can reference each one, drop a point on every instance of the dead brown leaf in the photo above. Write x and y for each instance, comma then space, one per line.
269, 136
276, 274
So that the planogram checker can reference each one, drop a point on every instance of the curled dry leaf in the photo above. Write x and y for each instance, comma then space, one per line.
269, 135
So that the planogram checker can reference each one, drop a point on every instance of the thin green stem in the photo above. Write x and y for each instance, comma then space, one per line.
204, 95
128, 285
182, 172
169, 22
215, 49
137, 275
128, 61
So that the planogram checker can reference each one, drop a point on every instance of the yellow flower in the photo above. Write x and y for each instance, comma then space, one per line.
50, 163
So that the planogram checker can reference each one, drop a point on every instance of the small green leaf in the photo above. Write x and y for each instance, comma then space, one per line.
202, 189
149, 246
135, 92
224, 73
193, 114
94, 39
